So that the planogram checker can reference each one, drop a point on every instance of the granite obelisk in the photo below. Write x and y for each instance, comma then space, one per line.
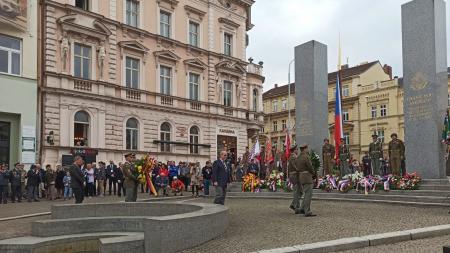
425, 85
311, 94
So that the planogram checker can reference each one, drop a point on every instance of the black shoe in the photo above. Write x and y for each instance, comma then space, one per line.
310, 215
299, 211
292, 207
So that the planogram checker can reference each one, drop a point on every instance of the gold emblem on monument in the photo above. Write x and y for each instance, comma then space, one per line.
419, 82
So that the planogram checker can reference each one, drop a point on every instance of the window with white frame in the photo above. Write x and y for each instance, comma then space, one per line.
10, 55
194, 83
347, 138
283, 104
283, 124
194, 33
132, 133
82, 4
81, 128
194, 139
165, 24
165, 80
345, 91
227, 44
227, 93
275, 106
255, 100
383, 110
275, 126
345, 115
82, 61
380, 134
165, 137
132, 13
132, 72
374, 111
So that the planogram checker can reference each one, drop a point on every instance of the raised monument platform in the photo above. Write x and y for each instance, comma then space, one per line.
119, 227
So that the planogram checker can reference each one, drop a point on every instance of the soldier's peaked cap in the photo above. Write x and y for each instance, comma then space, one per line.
293, 147
129, 154
374, 136
394, 134
304, 145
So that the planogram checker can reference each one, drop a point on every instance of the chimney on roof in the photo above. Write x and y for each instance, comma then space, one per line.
276, 85
388, 70
345, 66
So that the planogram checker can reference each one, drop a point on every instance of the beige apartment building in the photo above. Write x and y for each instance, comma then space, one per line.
371, 102
165, 77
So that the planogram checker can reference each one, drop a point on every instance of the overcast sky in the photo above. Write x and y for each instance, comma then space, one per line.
370, 30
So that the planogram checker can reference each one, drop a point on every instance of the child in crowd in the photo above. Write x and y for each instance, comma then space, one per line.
67, 189
177, 186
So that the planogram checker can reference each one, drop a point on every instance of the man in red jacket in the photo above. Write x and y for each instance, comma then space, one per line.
177, 186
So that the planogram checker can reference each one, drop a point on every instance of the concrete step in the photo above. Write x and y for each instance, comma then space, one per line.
435, 187
435, 182
362, 196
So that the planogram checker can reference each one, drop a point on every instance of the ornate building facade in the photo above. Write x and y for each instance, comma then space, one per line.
165, 77
372, 102
18, 81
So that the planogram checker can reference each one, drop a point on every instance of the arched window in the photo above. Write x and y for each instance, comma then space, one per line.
165, 137
255, 100
193, 139
132, 133
81, 128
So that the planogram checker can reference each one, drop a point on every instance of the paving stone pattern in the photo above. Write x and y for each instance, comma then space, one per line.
257, 224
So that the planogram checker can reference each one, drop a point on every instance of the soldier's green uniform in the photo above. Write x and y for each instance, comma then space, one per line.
375, 153
344, 159
327, 157
130, 183
306, 173
396, 155
293, 178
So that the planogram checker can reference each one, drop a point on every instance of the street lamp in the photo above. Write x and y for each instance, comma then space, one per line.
289, 94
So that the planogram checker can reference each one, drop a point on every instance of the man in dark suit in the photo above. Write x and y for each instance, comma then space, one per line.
220, 178
111, 175
78, 181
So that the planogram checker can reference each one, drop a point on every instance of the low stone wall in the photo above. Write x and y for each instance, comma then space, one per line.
120, 227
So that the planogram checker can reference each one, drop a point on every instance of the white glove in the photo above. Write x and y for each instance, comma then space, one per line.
381, 159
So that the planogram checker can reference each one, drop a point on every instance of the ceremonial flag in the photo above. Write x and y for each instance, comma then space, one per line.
255, 150
446, 127
338, 131
269, 155
287, 144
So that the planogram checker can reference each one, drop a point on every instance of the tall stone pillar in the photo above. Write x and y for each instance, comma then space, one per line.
311, 94
425, 85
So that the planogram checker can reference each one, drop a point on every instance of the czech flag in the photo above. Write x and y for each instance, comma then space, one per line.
338, 129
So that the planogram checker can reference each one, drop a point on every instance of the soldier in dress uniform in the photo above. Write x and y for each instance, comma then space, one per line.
376, 154
344, 158
396, 154
306, 174
131, 182
293, 178
327, 156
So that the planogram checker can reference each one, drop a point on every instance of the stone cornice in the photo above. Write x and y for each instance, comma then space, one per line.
228, 22
194, 10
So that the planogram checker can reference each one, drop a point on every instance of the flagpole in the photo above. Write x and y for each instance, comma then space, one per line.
289, 94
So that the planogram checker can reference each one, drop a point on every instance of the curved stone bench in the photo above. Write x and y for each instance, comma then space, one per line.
191, 223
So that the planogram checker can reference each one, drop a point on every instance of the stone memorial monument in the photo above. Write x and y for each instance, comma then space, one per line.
425, 85
311, 94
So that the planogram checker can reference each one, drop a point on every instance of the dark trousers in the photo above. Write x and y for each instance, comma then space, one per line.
32, 193
120, 189
3, 194
16, 192
91, 189
220, 195
195, 189
206, 184
112, 184
79, 195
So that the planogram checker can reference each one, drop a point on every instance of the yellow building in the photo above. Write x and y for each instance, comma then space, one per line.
372, 102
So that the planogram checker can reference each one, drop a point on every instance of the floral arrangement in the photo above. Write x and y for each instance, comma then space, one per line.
327, 183
407, 182
345, 185
315, 160
251, 183
275, 181
144, 170
288, 186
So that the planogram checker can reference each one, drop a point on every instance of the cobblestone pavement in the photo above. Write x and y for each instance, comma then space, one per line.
432, 245
265, 224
